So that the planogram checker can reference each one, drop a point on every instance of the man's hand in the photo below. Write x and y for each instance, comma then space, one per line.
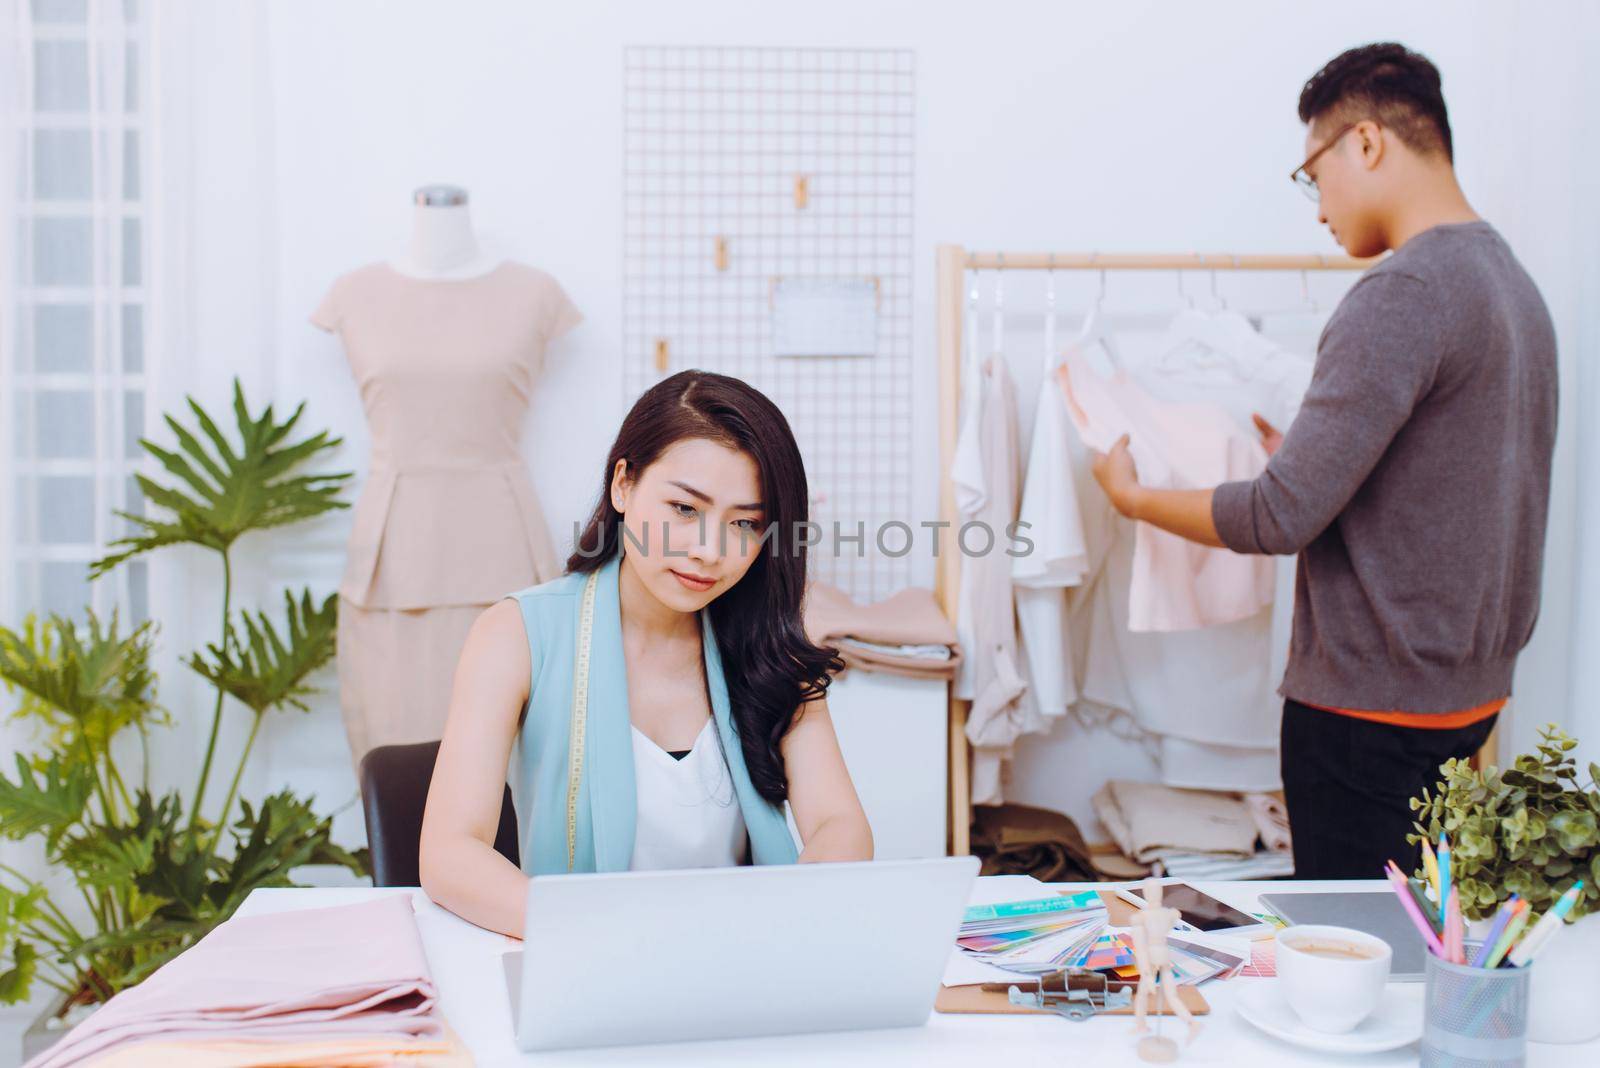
1117, 475
1271, 436
1186, 513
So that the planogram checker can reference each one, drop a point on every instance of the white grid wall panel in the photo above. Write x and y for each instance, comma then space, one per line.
714, 140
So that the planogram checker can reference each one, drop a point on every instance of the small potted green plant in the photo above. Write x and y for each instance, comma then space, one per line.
1532, 829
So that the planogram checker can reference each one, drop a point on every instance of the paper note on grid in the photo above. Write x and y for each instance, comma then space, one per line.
825, 317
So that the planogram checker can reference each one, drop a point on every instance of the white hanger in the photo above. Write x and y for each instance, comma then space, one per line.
1222, 304
1204, 339
1181, 294
1050, 317
999, 305
1305, 292
1094, 334
971, 362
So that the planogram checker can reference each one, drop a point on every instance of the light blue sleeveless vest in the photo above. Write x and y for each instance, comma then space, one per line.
607, 805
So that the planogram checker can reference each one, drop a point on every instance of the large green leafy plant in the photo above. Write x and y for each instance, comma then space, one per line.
1532, 829
153, 872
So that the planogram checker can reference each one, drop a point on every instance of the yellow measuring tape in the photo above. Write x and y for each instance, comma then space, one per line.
580, 714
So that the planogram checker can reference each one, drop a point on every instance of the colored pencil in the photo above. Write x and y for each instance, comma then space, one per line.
1397, 882
1444, 872
1547, 926
1455, 931
1421, 898
1513, 929
1430, 866
1502, 917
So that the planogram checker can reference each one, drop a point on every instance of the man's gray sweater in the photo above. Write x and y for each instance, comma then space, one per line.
1415, 482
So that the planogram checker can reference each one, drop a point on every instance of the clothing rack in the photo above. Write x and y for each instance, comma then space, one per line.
952, 261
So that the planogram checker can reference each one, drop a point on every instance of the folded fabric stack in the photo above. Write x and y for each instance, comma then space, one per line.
1263, 864
347, 985
1197, 834
905, 634
1015, 839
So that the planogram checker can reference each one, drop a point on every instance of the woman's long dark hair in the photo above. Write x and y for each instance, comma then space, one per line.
770, 665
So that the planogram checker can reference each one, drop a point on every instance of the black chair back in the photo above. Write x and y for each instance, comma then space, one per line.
394, 792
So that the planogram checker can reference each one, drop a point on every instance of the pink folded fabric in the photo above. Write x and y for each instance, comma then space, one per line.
347, 971
909, 617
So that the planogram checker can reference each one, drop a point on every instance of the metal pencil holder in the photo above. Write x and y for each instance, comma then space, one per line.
1474, 1017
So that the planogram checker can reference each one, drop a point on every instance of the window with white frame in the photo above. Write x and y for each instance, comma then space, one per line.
72, 386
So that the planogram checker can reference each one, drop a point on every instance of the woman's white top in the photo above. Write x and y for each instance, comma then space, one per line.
688, 814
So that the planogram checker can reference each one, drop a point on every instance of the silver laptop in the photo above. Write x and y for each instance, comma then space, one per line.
1378, 913
669, 956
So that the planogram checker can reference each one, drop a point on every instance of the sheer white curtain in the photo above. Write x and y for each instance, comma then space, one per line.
213, 253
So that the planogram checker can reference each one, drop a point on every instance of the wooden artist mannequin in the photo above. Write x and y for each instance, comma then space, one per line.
1151, 926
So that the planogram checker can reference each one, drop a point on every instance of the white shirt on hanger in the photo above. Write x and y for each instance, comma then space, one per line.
1207, 696
688, 816
1059, 558
1249, 373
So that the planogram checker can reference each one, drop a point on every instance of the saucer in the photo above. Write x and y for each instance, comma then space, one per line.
1396, 1022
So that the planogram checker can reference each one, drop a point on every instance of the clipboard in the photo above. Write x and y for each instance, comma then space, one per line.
990, 999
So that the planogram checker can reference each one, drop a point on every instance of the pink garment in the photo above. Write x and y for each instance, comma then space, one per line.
350, 971
1176, 583
908, 617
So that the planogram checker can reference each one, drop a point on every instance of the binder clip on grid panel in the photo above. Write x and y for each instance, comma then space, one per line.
1072, 993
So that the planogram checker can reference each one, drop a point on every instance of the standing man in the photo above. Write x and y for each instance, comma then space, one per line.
1414, 483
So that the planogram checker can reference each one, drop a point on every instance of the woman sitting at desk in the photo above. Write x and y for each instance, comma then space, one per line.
659, 702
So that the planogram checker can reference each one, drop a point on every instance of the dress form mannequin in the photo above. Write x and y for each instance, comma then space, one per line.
443, 244
447, 344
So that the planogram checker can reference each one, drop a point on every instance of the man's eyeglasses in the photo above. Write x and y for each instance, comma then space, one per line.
1302, 178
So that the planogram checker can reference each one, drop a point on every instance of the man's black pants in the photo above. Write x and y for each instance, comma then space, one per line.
1349, 783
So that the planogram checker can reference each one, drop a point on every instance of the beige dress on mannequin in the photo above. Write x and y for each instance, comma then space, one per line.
447, 522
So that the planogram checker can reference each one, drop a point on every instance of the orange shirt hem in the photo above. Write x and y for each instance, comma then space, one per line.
1438, 721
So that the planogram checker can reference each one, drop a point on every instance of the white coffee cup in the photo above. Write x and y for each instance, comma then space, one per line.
1333, 977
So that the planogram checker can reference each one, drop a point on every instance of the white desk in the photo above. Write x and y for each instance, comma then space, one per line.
467, 969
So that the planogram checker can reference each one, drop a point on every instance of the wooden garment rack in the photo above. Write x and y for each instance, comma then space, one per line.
953, 261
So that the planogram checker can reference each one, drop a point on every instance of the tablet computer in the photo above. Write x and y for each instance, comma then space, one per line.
1378, 913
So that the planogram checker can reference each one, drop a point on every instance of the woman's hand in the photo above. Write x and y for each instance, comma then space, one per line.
459, 866
827, 812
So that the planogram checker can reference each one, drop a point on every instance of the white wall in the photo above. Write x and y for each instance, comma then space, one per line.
1122, 126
